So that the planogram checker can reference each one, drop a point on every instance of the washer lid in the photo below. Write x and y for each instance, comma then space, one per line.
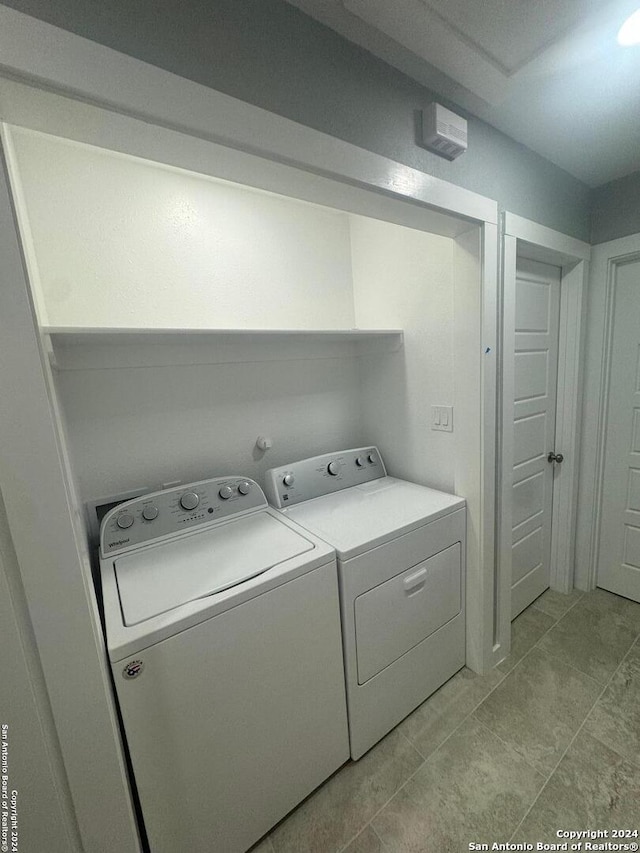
163, 576
362, 517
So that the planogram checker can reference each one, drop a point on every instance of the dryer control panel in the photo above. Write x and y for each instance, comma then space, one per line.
322, 475
172, 511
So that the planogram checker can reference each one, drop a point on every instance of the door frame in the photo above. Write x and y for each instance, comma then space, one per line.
37, 482
607, 258
523, 238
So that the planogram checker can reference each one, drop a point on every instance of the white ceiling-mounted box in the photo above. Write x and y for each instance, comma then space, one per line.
443, 131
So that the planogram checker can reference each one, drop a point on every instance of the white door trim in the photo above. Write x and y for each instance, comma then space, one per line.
549, 246
523, 238
128, 89
62, 62
607, 257
489, 652
475, 358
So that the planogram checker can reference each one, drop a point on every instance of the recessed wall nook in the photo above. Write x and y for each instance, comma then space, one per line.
188, 297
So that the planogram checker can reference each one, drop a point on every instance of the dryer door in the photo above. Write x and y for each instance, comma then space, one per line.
398, 614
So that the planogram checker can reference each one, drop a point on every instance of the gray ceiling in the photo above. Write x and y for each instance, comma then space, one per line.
547, 72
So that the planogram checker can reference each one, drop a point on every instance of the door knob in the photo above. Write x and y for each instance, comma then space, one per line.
555, 457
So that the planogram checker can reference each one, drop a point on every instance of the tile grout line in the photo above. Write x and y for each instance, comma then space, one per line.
440, 745
386, 803
575, 668
626, 758
571, 606
472, 712
382, 844
560, 618
565, 663
424, 760
513, 749
535, 647
464, 720
557, 657
383, 806
474, 709
622, 757
503, 675
580, 727
544, 634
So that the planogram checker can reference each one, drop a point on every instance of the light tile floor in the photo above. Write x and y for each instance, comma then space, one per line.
550, 739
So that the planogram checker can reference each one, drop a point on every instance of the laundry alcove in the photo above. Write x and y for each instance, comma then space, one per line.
187, 314
189, 296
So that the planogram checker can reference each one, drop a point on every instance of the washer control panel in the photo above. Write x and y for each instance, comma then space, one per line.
171, 511
322, 475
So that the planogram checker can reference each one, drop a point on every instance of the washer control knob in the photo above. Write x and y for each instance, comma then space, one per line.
244, 487
371, 458
150, 512
189, 500
288, 479
333, 468
359, 461
226, 492
125, 520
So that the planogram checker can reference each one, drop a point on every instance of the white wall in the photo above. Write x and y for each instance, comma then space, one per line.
144, 426
119, 241
45, 813
404, 278
139, 427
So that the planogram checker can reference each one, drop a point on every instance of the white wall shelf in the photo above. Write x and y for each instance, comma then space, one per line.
84, 348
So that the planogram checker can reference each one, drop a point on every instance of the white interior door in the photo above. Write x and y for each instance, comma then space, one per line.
619, 557
537, 310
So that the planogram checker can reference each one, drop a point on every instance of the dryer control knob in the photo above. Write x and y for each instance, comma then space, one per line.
189, 500
150, 512
226, 492
288, 479
244, 487
371, 458
125, 520
359, 461
333, 468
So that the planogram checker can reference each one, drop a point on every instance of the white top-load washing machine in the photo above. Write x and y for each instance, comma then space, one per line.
401, 568
223, 631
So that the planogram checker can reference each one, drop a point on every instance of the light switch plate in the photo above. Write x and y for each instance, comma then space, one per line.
442, 418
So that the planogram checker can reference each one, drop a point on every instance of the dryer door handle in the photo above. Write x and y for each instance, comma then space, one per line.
414, 581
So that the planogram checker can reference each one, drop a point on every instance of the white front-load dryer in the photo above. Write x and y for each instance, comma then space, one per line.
401, 567
223, 631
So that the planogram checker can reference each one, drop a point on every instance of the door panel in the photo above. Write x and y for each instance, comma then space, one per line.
619, 558
632, 547
527, 554
529, 434
528, 500
531, 377
635, 439
537, 308
634, 489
